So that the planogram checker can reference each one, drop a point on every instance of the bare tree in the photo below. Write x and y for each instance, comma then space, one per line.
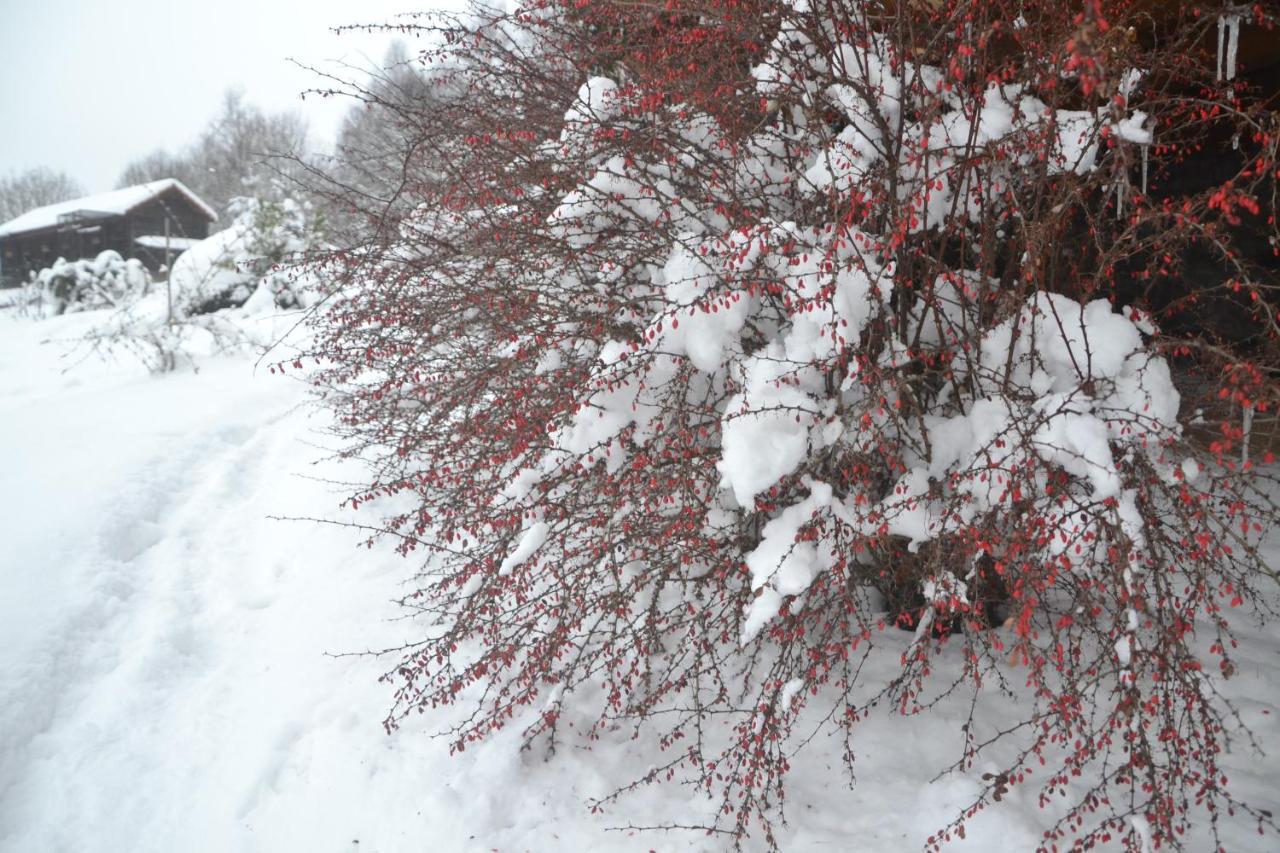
23, 191
372, 140
241, 153
375, 157
160, 164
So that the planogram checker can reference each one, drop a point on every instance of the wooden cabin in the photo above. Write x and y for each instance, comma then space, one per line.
153, 222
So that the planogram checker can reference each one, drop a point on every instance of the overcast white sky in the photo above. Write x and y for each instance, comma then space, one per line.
87, 85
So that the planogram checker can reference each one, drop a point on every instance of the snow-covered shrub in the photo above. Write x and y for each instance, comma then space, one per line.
207, 276
262, 250
280, 237
103, 282
730, 337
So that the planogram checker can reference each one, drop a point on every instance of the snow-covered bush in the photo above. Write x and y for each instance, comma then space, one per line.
103, 282
262, 251
731, 336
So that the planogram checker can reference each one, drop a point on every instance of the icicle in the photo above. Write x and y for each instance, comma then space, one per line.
1246, 425
1233, 45
1222, 31
1129, 82
1120, 188
1228, 45
1146, 162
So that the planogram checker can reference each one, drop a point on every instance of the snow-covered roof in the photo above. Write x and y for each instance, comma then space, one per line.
116, 202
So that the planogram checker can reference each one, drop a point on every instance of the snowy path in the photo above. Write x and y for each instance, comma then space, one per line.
162, 682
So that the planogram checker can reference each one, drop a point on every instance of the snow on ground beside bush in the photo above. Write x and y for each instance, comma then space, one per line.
163, 678
164, 684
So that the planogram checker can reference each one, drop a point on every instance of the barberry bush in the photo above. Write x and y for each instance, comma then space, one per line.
733, 342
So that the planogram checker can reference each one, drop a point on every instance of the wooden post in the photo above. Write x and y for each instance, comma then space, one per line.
168, 267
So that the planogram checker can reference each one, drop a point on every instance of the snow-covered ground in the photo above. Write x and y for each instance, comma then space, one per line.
164, 682
164, 677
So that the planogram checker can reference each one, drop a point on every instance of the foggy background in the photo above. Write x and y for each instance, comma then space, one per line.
91, 85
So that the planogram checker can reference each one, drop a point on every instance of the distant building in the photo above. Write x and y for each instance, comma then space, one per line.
134, 221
